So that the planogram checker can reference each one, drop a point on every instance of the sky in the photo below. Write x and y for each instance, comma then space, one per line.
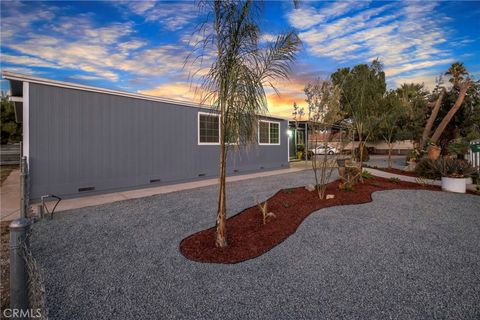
148, 47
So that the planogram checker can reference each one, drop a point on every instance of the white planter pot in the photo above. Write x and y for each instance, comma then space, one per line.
458, 185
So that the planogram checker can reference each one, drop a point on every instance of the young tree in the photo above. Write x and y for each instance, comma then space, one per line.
392, 111
323, 100
234, 85
414, 98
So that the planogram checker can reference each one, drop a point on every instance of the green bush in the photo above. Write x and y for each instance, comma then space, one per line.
425, 168
356, 154
394, 180
367, 175
444, 167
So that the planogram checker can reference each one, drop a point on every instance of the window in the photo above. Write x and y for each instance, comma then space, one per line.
264, 133
274, 133
268, 132
208, 128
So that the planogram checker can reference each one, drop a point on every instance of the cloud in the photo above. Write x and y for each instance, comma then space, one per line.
177, 90
307, 17
403, 35
80, 43
171, 16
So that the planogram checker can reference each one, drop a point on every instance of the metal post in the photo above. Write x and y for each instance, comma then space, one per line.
40, 211
18, 270
23, 188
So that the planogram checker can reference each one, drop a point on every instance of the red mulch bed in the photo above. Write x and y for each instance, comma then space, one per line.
248, 238
398, 171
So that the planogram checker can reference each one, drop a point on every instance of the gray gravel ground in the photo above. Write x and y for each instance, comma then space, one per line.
381, 161
406, 255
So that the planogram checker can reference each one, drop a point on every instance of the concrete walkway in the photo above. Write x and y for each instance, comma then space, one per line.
95, 200
10, 197
384, 174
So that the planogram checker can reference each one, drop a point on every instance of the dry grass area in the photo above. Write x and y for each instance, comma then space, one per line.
4, 266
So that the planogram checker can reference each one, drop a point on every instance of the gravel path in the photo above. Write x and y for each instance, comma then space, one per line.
381, 161
419, 258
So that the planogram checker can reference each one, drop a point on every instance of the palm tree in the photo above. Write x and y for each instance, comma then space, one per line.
234, 85
457, 71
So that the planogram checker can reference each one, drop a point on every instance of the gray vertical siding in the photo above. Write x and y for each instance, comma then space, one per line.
82, 139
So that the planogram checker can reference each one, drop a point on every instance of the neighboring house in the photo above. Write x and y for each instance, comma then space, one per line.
300, 132
81, 139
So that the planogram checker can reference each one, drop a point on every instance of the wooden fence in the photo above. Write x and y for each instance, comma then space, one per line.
10, 154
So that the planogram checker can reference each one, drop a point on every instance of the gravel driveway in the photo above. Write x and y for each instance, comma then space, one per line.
406, 255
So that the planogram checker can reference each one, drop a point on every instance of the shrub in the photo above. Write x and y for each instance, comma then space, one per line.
394, 180
459, 148
367, 175
346, 186
300, 148
356, 154
412, 154
444, 167
425, 168
454, 168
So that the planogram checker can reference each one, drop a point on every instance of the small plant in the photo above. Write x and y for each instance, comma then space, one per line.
286, 205
288, 191
264, 211
346, 186
366, 175
394, 180
376, 183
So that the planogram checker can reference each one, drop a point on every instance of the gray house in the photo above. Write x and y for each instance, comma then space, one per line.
81, 139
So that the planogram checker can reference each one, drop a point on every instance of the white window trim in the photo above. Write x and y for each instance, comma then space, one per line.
279, 133
198, 129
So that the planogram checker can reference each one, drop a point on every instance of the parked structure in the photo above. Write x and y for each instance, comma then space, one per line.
81, 139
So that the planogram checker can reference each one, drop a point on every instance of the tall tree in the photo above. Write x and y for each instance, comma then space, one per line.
363, 88
234, 85
457, 73
433, 116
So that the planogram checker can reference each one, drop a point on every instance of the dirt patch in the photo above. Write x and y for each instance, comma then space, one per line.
4, 265
248, 237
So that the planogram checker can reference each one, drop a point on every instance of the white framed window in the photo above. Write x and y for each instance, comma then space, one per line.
208, 128
268, 132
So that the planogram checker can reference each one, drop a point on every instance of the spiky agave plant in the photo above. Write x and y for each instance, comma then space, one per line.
235, 83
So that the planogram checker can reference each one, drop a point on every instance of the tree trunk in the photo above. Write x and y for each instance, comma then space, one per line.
431, 119
360, 152
221, 238
389, 155
461, 96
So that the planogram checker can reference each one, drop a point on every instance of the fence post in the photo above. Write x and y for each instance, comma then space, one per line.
24, 202
18, 271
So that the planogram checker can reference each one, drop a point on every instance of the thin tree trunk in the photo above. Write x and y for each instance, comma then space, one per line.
461, 96
221, 238
389, 155
360, 152
431, 119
